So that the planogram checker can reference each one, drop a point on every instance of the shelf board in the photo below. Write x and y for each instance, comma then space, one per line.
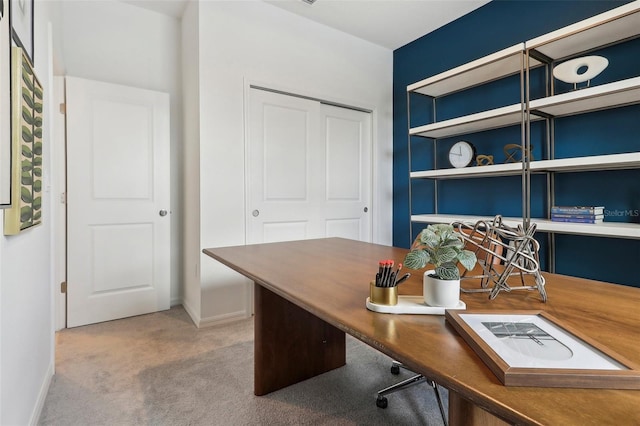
605, 229
608, 27
498, 65
449, 218
486, 120
610, 95
596, 162
509, 169
629, 160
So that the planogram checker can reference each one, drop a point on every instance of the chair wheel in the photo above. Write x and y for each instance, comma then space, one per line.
395, 369
382, 402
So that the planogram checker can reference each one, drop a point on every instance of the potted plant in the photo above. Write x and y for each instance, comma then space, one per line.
443, 247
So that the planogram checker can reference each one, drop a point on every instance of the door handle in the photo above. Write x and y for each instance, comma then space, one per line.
162, 212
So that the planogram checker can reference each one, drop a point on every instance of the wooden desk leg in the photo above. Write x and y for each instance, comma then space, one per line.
291, 345
463, 412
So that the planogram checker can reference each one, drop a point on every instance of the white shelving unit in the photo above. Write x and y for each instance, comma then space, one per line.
617, 25
496, 66
614, 26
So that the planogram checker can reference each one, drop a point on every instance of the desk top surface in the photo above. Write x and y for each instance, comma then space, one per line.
330, 278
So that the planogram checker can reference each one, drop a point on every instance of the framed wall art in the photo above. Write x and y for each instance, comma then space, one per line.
532, 348
5, 107
26, 138
21, 21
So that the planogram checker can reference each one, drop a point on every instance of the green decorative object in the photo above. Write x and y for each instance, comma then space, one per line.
443, 247
26, 138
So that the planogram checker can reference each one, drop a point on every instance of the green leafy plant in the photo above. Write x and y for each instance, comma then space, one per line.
443, 247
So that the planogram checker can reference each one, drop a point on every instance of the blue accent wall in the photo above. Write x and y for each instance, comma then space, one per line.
495, 26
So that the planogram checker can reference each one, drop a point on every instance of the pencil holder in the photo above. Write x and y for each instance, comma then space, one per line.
383, 295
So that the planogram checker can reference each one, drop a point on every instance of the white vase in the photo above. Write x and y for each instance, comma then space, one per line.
442, 293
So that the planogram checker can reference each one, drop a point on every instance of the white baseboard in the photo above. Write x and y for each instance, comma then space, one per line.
222, 319
42, 396
195, 318
216, 319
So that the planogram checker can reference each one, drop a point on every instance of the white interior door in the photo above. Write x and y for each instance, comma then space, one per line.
346, 137
117, 201
308, 170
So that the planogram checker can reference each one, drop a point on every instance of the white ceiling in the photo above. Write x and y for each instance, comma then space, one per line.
173, 8
387, 23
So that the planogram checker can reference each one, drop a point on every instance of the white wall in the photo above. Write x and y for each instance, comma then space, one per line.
237, 42
252, 41
26, 296
119, 43
108, 41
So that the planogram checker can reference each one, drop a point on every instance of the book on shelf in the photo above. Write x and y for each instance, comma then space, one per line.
575, 219
578, 209
577, 216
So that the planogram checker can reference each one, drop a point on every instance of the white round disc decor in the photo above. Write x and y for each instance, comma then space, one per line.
569, 71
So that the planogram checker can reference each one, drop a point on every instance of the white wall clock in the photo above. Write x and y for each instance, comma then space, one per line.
462, 154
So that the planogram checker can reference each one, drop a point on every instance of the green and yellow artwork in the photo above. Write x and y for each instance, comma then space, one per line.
26, 139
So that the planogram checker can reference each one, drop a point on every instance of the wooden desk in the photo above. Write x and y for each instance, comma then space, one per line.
309, 293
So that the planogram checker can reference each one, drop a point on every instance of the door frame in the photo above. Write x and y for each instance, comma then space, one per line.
59, 207
59, 203
249, 84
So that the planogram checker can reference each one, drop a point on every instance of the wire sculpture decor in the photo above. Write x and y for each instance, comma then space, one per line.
503, 252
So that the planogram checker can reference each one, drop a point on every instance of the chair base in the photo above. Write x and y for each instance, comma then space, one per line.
382, 402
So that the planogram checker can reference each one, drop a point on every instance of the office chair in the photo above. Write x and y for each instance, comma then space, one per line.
382, 401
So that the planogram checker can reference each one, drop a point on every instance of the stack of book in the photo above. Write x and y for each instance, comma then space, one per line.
577, 214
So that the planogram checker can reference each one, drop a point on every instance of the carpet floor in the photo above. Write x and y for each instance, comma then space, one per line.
159, 369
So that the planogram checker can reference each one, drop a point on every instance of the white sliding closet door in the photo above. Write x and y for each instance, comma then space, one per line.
308, 170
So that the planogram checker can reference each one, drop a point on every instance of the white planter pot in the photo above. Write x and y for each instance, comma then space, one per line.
437, 292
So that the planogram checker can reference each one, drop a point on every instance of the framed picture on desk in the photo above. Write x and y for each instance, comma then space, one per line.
532, 348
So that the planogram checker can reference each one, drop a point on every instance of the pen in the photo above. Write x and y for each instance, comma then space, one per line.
389, 277
379, 274
386, 276
395, 275
403, 279
383, 277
